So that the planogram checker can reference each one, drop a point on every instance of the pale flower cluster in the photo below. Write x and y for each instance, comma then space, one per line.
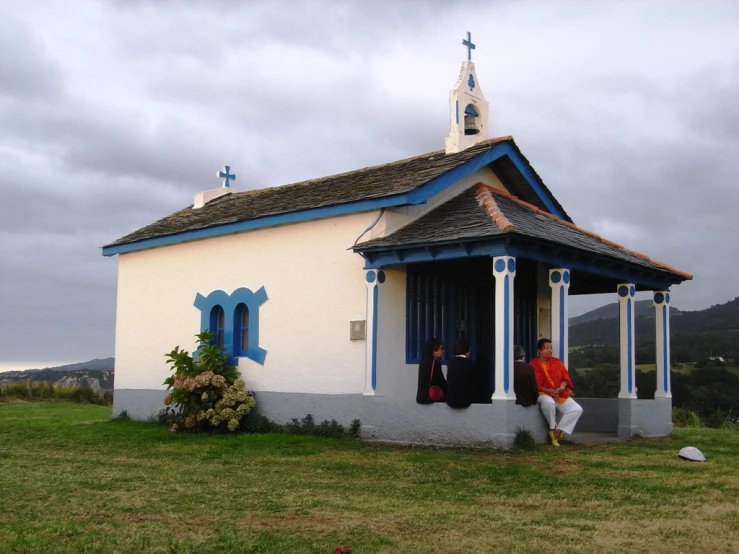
233, 406
199, 381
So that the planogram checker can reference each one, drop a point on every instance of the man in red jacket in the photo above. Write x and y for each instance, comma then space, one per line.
555, 389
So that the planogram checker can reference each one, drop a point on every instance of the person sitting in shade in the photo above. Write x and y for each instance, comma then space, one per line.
524, 380
555, 390
429, 371
460, 376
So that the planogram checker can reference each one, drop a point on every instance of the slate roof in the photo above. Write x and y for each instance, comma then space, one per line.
483, 212
379, 181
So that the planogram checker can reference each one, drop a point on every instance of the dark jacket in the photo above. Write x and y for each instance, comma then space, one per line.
461, 381
425, 381
524, 384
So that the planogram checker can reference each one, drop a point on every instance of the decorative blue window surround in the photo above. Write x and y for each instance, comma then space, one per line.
234, 331
417, 196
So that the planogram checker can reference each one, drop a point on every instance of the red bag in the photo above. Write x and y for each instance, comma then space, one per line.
436, 393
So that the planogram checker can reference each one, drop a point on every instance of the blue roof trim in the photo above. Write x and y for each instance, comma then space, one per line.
417, 196
258, 223
378, 260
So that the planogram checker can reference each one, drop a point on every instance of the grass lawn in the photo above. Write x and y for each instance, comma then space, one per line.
71, 480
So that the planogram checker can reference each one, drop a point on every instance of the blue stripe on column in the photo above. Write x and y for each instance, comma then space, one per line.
665, 338
506, 334
561, 323
375, 294
628, 342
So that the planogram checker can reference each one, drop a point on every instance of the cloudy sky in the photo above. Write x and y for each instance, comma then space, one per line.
114, 114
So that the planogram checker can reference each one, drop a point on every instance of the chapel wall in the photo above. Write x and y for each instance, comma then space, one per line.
314, 284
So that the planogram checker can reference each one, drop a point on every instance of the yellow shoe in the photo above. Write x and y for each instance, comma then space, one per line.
552, 438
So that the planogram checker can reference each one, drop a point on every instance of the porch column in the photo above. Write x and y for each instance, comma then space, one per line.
373, 279
504, 270
662, 342
559, 281
626, 292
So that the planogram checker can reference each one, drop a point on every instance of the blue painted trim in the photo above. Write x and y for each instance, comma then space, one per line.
630, 346
456, 110
417, 196
532, 181
229, 303
573, 260
470, 109
377, 260
259, 223
375, 302
506, 334
665, 339
561, 323
435, 186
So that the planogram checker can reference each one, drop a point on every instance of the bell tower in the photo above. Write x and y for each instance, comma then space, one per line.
468, 109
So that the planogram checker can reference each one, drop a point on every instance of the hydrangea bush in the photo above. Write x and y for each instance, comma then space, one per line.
205, 394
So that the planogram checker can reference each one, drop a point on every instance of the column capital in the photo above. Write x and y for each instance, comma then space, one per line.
559, 277
625, 291
374, 277
504, 265
661, 298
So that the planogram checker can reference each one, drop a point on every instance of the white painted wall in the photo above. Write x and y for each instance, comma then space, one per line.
315, 287
396, 380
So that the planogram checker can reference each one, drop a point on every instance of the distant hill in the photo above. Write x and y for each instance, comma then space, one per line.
97, 363
95, 379
610, 311
96, 374
694, 335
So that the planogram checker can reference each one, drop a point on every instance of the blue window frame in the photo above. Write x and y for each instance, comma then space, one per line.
241, 330
234, 318
218, 325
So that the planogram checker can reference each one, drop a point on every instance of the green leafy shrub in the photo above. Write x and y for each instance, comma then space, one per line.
682, 417
34, 391
524, 439
206, 394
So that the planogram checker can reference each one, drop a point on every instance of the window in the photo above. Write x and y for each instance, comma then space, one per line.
218, 325
426, 313
241, 329
234, 320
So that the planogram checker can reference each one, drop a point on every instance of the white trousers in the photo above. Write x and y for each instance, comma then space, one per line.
569, 412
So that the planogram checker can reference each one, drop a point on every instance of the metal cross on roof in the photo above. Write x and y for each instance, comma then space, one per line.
226, 175
470, 47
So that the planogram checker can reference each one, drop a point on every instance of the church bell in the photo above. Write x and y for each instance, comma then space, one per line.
470, 120
470, 126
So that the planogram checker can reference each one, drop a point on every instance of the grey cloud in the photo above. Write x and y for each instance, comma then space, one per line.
26, 69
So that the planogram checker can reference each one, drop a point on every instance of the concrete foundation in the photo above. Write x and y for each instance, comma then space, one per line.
392, 421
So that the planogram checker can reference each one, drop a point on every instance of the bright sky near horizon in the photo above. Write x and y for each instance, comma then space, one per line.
114, 114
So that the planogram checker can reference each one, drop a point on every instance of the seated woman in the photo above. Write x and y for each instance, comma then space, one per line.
429, 371
461, 377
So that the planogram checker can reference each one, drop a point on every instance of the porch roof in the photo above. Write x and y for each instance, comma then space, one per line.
484, 214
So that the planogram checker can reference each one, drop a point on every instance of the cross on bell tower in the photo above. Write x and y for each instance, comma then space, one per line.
470, 46
468, 109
